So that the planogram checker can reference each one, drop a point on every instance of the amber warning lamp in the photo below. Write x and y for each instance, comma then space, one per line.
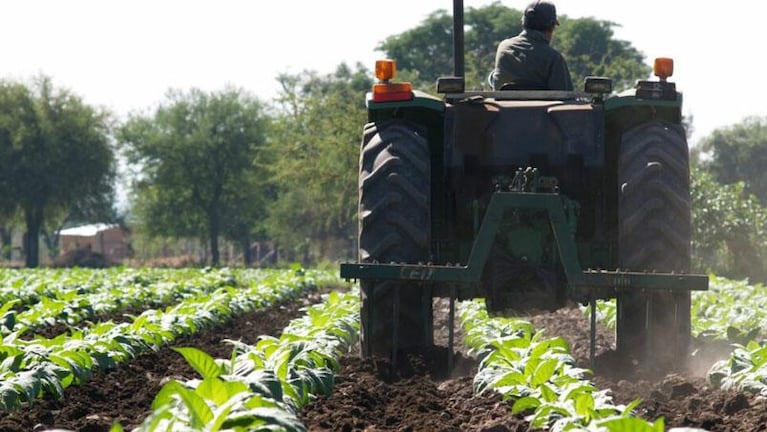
663, 67
385, 90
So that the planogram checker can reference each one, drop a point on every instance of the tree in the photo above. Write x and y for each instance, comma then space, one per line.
729, 227
196, 158
739, 154
247, 209
55, 155
590, 48
425, 52
315, 162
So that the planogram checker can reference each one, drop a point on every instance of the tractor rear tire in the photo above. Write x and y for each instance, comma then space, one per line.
654, 236
394, 226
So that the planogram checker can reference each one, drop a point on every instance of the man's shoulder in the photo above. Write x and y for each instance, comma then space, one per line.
519, 39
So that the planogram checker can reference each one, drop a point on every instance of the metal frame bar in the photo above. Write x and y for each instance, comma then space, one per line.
582, 284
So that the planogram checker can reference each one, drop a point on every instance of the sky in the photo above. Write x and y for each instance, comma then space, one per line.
124, 55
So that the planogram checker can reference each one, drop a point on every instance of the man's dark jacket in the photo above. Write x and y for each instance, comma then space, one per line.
528, 62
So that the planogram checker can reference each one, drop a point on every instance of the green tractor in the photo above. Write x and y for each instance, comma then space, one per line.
528, 199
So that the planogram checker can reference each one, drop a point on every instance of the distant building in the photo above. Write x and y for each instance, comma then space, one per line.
109, 240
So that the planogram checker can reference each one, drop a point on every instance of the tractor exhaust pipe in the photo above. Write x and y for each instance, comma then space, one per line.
459, 67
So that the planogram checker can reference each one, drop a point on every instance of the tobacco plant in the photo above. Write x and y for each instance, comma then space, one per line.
262, 387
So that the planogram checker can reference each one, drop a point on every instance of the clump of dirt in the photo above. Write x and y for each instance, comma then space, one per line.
418, 393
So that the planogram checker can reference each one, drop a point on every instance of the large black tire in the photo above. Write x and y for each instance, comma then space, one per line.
394, 226
654, 236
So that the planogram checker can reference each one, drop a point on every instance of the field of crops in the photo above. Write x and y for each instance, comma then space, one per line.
245, 349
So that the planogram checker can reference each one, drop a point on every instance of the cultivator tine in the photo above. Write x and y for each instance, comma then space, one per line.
395, 326
593, 331
648, 346
450, 333
682, 322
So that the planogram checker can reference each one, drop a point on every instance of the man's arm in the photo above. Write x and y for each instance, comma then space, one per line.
559, 76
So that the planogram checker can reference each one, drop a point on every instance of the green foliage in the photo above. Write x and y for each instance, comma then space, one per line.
204, 364
739, 154
262, 387
729, 227
731, 315
735, 311
425, 52
731, 310
590, 48
41, 366
745, 370
56, 160
314, 163
195, 156
539, 376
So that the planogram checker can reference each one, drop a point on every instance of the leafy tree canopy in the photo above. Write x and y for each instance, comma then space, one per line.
56, 160
425, 52
314, 161
729, 227
196, 158
739, 153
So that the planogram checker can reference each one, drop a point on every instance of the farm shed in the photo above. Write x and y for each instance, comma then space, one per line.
109, 240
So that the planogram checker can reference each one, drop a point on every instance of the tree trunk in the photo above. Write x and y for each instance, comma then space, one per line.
247, 256
214, 229
6, 237
52, 243
34, 220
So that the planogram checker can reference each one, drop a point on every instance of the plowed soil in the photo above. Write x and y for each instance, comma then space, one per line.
418, 394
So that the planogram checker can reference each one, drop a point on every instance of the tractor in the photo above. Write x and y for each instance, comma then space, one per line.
530, 199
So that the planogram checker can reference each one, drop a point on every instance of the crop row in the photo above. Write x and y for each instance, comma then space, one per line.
737, 311
89, 293
262, 386
730, 312
538, 374
29, 286
32, 368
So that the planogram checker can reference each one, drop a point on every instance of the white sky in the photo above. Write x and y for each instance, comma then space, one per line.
124, 55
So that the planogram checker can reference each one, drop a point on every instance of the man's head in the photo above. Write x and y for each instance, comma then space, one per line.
540, 15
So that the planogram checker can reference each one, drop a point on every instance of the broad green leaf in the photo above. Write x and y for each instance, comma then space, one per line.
199, 411
631, 424
759, 357
221, 414
201, 361
9, 396
165, 396
630, 407
525, 404
266, 383
543, 372
266, 416
214, 390
549, 345
510, 378
584, 404
547, 393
